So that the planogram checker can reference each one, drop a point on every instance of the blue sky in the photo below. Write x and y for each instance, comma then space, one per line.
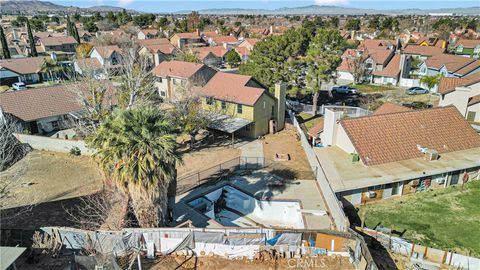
169, 6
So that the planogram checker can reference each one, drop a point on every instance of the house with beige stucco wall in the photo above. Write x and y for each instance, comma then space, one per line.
396, 152
464, 94
174, 77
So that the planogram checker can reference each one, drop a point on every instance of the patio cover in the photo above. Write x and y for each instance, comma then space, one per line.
227, 123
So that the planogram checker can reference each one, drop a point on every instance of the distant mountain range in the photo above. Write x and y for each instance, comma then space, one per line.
31, 7
336, 10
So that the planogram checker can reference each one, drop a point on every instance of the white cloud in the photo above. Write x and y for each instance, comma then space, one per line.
124, 2
331, 2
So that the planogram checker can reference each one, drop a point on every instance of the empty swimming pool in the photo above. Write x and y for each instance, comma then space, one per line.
231, 207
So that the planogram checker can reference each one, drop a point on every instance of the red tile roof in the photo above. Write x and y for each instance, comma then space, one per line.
150, 31
224, 39
447, 85
165, 48
468, 43
37, 103
177, 69
193, 35
218, 51
89, 64
233, 88
57, 41
394, 137
391, 70
106, 51
153, 41
27, 65
389, 107
422, 50
380, 56
243, 51
452, 62
474, 100
317, 128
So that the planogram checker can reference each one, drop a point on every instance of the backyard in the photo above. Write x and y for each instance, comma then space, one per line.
446, 219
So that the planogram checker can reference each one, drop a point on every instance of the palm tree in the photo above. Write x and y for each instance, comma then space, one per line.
138, 149
430, 81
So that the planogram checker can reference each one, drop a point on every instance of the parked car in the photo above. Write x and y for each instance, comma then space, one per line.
344, 89
416, 91
19, 86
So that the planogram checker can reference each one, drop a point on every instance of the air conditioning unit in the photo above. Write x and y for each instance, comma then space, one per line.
371, 194
431, 154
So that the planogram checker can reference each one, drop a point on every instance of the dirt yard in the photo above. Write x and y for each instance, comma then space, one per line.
44, 176
285, 142
205, 158
323, 262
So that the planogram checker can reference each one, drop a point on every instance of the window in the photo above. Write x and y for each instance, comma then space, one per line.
476, 50
162, 93
471, 116
423, 70
273, 111
396, 188
264, 104
239, 108
369, 65
54, 124
159, 79
210, 101
224, 105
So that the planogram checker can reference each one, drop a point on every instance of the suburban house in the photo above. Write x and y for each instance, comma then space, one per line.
90, 67
467, 47
182, 40
212, 56
27, 70
422, 52
66, 44
396, 152
148, 34
174, 77
463, 93
432, 41
242, 105
107, 56
159, 51
43, 110
85, 36
227, 42
381, 66
449, 65
261, 32
248, 43
245, 47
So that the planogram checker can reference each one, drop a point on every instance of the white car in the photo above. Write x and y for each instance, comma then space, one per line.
19, 86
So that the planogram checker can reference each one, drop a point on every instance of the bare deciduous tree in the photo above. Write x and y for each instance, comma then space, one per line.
11, 151
357, 66
95, 210
137, 83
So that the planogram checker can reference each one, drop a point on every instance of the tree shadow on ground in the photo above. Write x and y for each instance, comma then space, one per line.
379, 253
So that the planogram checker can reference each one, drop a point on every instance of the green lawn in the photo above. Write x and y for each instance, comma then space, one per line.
370, 88
447, 219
